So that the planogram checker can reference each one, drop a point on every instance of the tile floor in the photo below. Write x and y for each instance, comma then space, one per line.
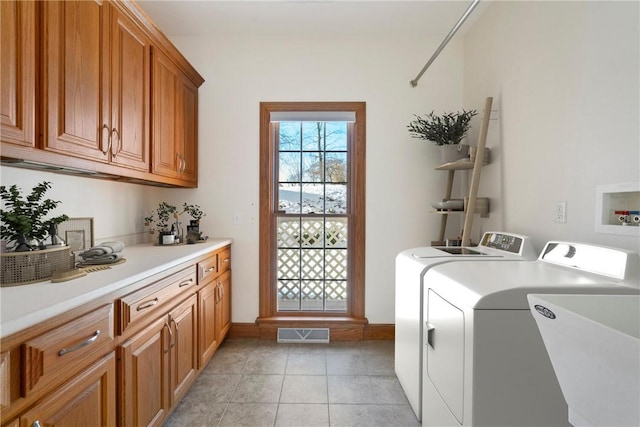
263, 383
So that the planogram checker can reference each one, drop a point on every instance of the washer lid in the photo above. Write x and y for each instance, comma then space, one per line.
493, 244
447, 251
498, 285
611, 262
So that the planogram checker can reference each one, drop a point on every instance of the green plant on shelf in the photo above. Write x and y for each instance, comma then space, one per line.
448, 129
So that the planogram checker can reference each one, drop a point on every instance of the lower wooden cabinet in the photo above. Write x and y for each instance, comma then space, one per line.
184, 351
158, 365
214, 302
207, 301
87, 400
125, 364
223, 306
144, 376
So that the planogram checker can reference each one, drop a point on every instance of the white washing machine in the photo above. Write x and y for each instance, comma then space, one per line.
484, 361
411, 266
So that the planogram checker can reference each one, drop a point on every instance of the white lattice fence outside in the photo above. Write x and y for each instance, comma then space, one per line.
312, 264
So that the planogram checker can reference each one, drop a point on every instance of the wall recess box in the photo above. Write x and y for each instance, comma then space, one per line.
616, 197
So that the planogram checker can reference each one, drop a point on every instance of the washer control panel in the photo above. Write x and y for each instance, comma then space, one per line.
504, 242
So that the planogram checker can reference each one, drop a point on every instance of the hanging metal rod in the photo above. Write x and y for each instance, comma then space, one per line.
463, 18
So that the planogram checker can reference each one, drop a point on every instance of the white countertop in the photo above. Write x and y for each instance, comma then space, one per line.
27, 305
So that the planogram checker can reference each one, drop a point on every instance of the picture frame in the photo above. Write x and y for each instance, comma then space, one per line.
77, 233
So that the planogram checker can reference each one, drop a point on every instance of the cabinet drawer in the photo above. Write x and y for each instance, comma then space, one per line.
150, 299
224, 260
208, 268
64, 351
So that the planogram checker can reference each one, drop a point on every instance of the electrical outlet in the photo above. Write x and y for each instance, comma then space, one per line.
237, 218
561, 212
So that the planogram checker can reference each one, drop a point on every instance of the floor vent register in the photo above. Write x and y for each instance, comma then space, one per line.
300, 335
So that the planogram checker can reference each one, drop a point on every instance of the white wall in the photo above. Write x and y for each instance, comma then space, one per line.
240, 72
564, 77
117, 208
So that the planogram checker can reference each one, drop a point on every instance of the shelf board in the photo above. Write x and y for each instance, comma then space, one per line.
482, 208
456, 166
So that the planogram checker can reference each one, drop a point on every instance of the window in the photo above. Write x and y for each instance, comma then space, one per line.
312, 209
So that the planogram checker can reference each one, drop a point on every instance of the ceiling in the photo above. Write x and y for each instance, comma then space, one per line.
308, 17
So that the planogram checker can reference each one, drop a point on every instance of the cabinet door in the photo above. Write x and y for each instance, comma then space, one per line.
17, 68
87, 400
184, 355
223, 307
130, 86
174, 130
144, 376
75, 49
207, 322
164, 109
187, 126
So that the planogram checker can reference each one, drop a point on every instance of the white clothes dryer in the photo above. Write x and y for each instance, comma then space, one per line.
484, 361
411, 266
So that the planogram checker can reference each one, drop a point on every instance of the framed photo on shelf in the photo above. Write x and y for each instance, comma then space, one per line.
77, 233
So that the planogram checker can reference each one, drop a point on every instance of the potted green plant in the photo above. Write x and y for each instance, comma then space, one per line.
165, 220
194, 234
445, 131
23, 220
159, 220
195, 212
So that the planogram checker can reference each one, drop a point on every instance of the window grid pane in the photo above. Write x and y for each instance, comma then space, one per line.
312, 225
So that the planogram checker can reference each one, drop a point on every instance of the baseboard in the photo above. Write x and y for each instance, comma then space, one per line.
380, 331
338, 333
244, 330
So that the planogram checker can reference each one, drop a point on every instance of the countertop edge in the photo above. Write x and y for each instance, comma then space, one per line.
41, 314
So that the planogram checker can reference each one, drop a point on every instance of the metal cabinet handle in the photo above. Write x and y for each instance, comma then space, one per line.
172, 340
119, 146
185, 283
85, 343
430, 330
210, 269
175, 324
166, 324
219, 291
226, 260
147, 304
182, 165
105, 152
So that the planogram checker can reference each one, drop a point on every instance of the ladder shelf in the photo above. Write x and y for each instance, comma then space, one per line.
472, 204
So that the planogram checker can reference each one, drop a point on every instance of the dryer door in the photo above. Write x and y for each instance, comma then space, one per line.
444, 342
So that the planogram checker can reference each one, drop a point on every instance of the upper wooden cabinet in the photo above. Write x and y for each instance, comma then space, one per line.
17, 68
78, 80
130, 93
175, 111
96, 83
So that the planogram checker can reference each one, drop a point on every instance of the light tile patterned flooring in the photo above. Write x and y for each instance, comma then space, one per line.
262, 383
